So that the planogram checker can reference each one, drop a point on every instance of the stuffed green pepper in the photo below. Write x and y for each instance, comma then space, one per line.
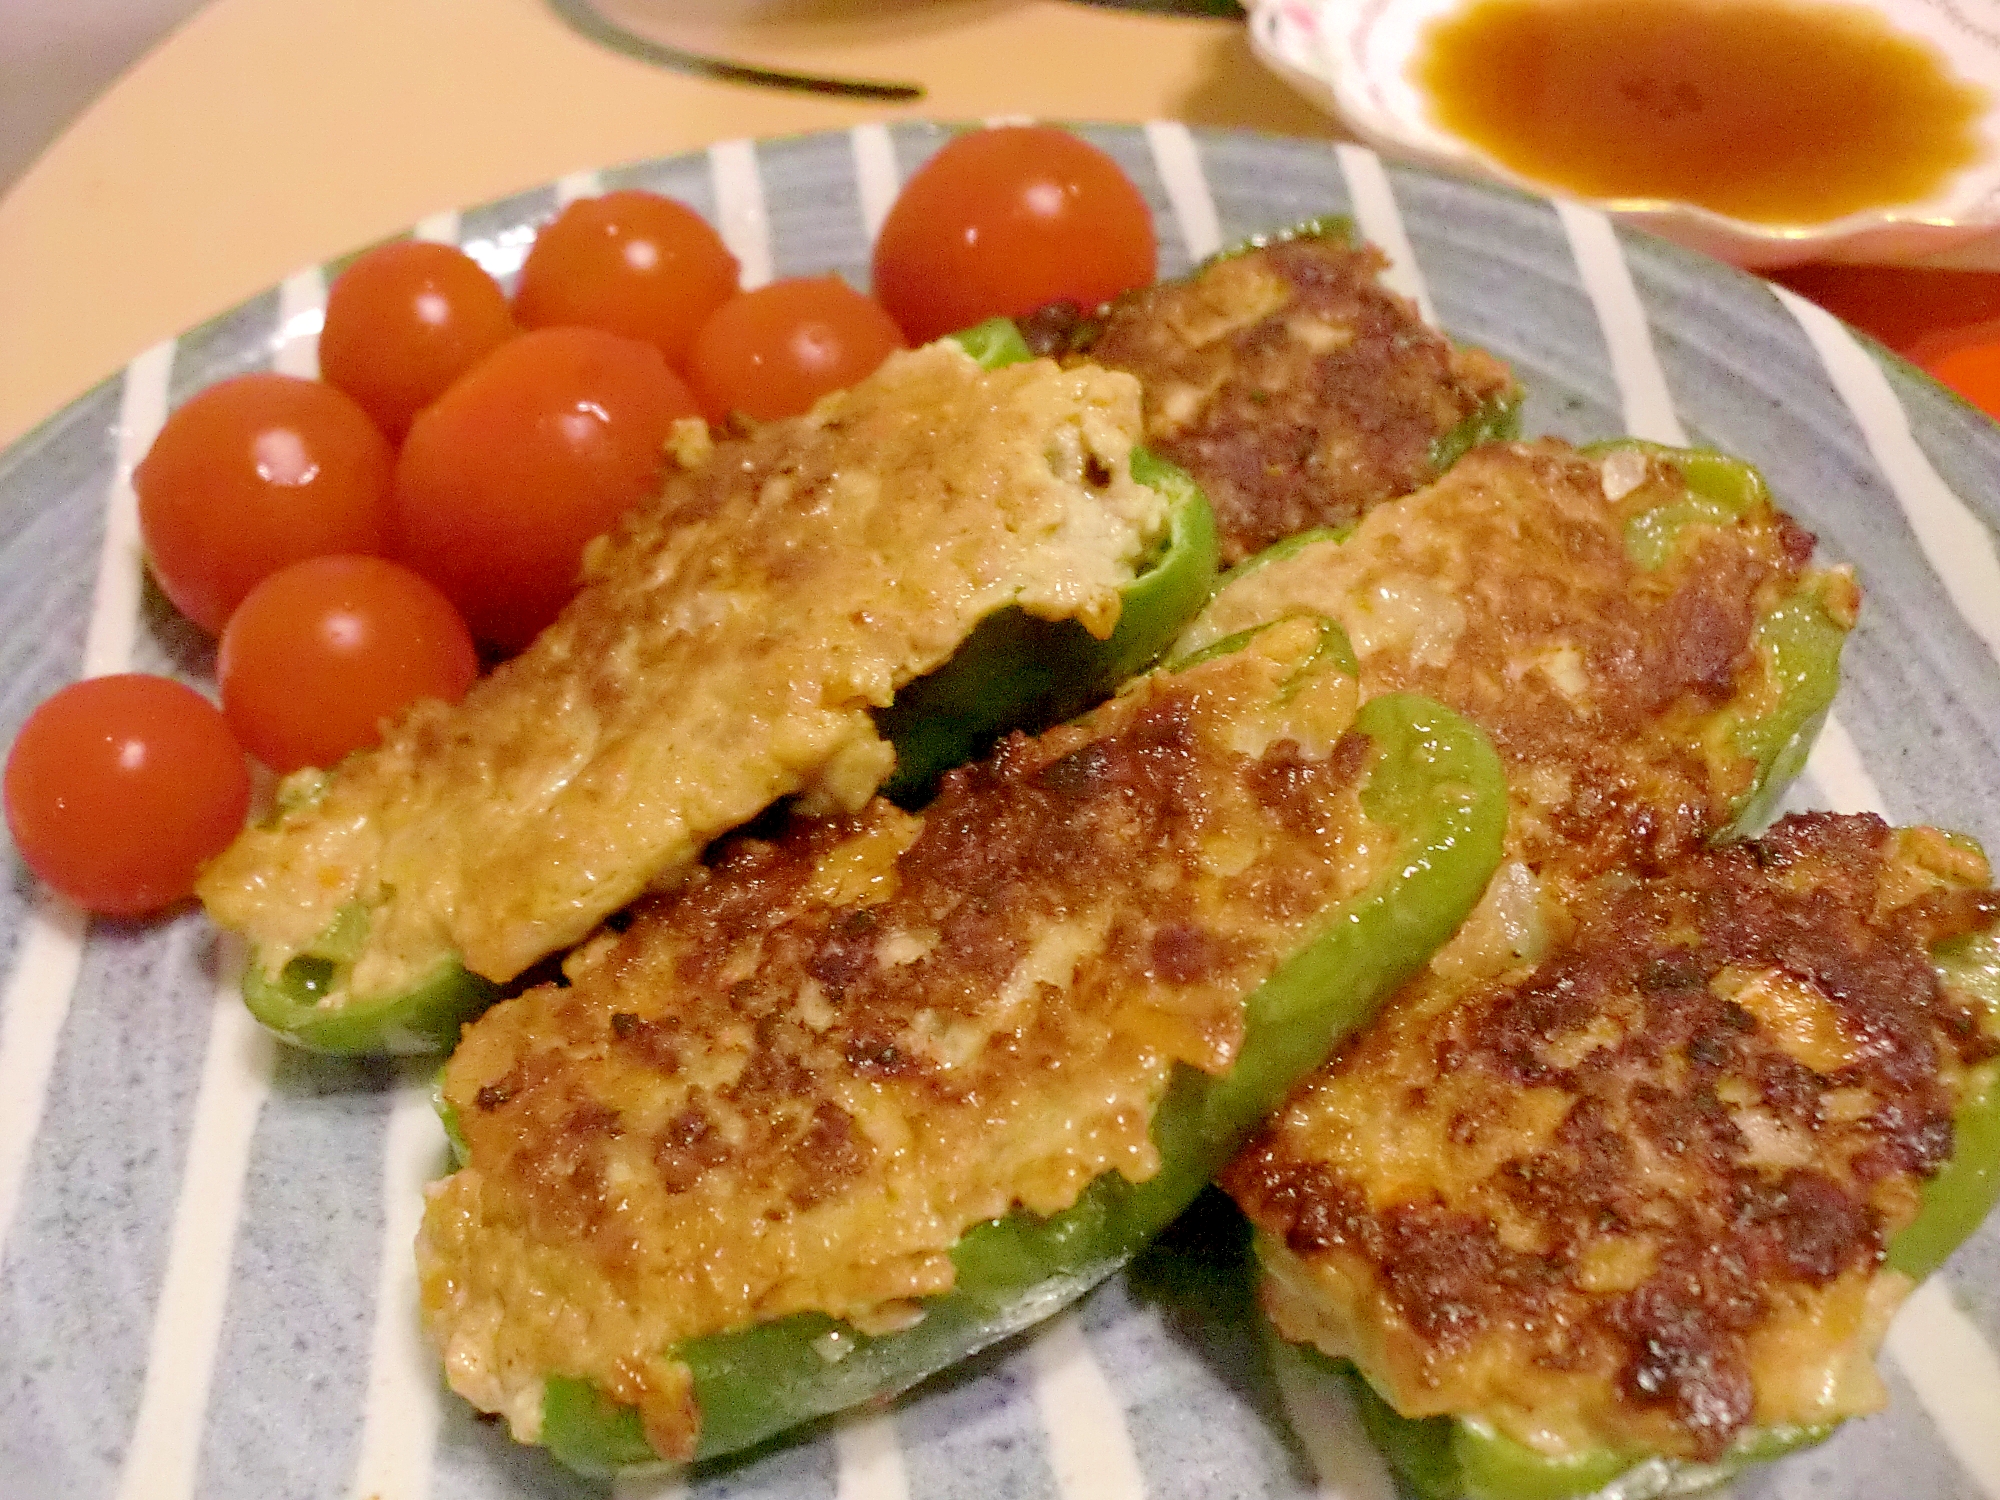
864, 1098
1637, 1212
1640, 631
731, 646
1638, 628
1296, 388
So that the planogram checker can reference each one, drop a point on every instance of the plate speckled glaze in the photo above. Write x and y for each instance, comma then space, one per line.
207, 1286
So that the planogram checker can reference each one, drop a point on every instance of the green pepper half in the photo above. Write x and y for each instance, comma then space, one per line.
1460, 1458
1437, 781
1336, 227
1017, 672
1719, 489
425, 1018
1958, 1199
995, 343
1801, 637
1012, 671
1446, 1458
1495, 420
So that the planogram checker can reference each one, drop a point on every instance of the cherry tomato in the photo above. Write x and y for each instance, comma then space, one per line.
323, 651
1002, 221
773, 352
404, 321
119, 788
630, 262
537, 450
254, 473
1973, 371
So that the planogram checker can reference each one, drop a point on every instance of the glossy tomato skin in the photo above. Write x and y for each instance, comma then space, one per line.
1002, 221
404, 321
629, 262
254, 473
119, 788
775, 351
322, 652
537, 450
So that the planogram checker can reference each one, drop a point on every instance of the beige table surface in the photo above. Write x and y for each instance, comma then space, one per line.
267, 134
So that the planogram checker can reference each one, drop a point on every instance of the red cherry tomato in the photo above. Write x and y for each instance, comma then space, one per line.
250, 475
119, 788
630, 262
1002, 221
773, 352
537, 450
323, 651
403, 322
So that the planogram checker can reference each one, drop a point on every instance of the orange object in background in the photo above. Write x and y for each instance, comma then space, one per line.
1773, 111
1902, 306
1971, 368
1948, 322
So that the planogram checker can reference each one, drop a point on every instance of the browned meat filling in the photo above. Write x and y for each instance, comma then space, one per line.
1611, 690
1637, 1194
731, 639
794, 1085
1295, 387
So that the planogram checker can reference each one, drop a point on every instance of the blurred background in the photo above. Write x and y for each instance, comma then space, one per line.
475, 139
58, 55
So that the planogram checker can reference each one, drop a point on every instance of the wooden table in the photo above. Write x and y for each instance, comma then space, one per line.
267, 134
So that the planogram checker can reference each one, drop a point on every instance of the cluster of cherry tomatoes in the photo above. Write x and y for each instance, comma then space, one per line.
349, 539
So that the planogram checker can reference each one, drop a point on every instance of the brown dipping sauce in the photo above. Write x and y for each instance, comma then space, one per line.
1772, 112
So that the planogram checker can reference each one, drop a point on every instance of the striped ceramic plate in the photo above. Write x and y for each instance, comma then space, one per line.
207, 1284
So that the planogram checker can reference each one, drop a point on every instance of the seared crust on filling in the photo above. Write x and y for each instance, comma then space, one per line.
726, 650
1295, 387
1612, 691
1637, 1195
795, 1084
